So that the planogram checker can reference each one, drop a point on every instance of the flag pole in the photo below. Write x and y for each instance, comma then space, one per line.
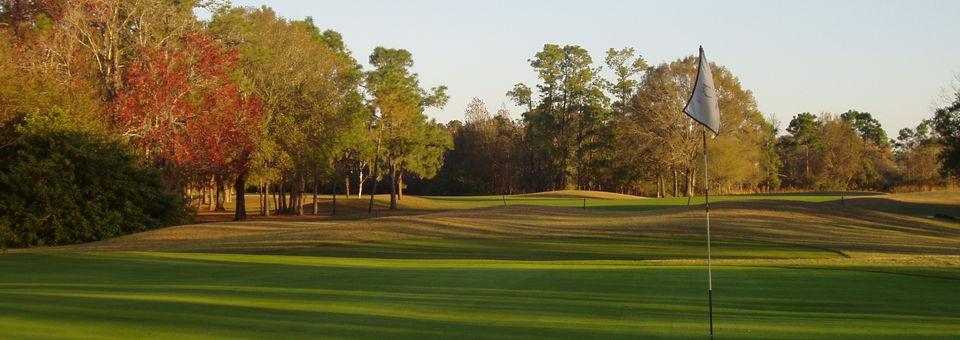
706, 190
704, 108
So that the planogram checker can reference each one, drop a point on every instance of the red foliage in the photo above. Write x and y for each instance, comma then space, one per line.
183, 107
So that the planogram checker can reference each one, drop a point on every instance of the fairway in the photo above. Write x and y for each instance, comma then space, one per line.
136, 295
800, 266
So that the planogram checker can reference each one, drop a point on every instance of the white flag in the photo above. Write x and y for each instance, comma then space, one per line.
703, 106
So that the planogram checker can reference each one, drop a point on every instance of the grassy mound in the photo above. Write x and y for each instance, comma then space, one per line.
580, 194
858, 225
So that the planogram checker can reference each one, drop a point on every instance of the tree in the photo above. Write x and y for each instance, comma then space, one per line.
830, 152
797, 149
917, 152
878, 165
946, 122
522, 95
670, 143
23, 17
111, 33
409, 141
183, 109
625, 64
836, 160
476, 112
868, 128
564, 126
470, 166
308, 84
770, 161
30, 94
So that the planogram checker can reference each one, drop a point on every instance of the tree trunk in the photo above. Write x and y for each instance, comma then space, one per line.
660, 184
290, 203
676, 186
301, 185
287, 198
399, 185
278, 200
284, 192
240, 213
292, 198
346, 185
393, 187
261, 198
334, 185
212, 191
360, 181
218, 206
316, 187
281, 198
266, 198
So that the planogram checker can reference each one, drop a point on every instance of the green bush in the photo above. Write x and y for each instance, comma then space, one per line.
69, 187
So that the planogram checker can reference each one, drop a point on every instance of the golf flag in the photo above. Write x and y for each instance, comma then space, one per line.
703, 106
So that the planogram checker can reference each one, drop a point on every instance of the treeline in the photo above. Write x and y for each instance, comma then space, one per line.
122, 116
626, 133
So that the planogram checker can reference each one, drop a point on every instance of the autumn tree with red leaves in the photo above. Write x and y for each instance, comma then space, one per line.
183, 108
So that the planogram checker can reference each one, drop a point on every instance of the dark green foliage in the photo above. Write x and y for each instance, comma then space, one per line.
946, 122
770, 161
916, 154
487, 158
571, 114
850, 151
867, 127
68, 187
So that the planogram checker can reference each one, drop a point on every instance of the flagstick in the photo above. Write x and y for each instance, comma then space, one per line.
706, 186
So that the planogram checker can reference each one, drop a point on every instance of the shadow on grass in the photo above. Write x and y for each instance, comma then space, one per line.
923, 209
562, 249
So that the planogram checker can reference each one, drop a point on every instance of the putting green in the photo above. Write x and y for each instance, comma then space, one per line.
531, 290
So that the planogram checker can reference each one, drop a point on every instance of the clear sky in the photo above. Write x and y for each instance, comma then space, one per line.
890, 58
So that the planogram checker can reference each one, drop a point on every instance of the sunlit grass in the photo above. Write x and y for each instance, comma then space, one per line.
124, 295
564, 249
787, 266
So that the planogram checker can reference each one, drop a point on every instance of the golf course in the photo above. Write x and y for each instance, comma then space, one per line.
549, 265
262, 169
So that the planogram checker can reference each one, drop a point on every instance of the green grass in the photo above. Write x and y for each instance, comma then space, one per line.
635, 204
551, 288
875, 268
564, 249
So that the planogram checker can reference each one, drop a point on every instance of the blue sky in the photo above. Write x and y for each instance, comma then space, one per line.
891, 58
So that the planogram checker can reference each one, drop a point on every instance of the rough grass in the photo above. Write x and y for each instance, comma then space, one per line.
787, 266
870, 225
